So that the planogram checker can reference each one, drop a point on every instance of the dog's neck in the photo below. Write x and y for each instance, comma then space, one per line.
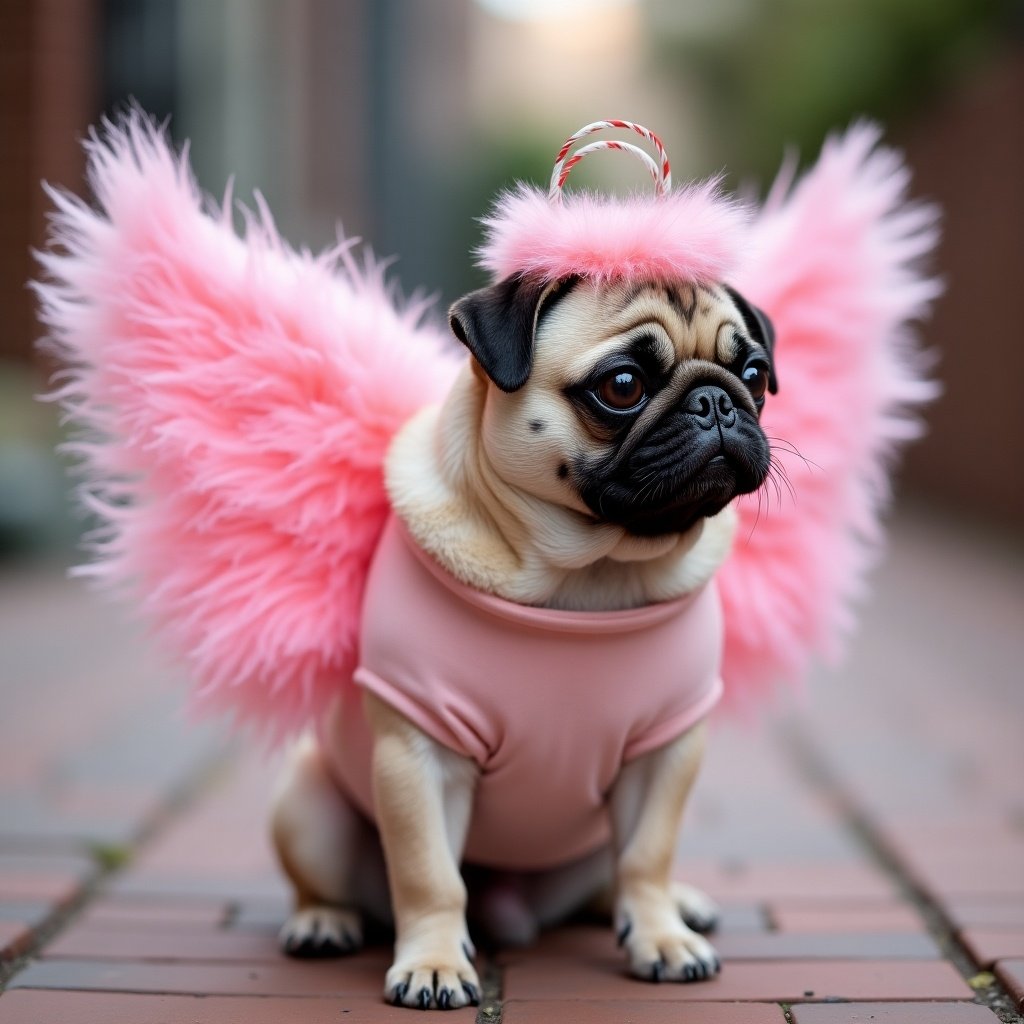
500, 539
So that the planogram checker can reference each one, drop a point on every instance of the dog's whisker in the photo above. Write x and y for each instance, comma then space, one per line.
770, 479
780, 478
788, 446
757, 518
792, 451
780, 470
649, 482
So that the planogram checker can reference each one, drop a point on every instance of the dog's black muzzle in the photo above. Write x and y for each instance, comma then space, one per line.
683, 460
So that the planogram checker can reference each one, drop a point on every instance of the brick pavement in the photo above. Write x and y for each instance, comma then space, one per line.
868, 847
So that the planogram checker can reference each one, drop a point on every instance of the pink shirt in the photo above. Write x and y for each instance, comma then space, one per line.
549, 704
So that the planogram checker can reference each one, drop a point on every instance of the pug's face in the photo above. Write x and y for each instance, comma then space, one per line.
635, 404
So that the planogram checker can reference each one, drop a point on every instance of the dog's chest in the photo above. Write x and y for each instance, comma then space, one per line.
548, 704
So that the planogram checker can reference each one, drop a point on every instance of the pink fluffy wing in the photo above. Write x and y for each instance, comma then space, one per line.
234, 401
836, 264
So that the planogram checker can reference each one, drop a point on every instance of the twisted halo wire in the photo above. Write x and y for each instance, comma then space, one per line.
660, 171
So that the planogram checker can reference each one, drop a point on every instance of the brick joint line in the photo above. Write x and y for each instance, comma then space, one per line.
814, 767
175, 803
491, 995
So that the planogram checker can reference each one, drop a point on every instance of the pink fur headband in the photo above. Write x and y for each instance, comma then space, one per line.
695, 232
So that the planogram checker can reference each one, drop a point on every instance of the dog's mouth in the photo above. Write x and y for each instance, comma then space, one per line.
680, 473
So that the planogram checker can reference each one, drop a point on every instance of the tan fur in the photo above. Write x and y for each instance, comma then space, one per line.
480, 491
647, 808
329, 853
423, 793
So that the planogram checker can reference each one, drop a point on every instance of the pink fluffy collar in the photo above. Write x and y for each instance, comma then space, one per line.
693, 233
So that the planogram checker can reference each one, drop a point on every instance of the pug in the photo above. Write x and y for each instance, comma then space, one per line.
557, 523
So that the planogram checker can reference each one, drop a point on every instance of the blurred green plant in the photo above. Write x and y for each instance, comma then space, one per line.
773, 70
34, 504
111, 856
469, 188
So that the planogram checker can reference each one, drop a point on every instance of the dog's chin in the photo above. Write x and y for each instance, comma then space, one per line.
674, 503
703, 495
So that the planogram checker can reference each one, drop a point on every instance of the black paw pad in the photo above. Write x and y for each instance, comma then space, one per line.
399, 992
317, 947
703, 924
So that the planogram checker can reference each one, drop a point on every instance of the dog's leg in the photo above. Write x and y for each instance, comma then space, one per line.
331, 855
423, 795
647, 808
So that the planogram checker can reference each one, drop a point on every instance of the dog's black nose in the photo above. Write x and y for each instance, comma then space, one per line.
710, 405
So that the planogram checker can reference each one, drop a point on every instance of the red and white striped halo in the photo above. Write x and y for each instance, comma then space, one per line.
691, 233
660, 172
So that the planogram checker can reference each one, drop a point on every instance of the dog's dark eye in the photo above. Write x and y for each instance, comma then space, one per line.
755, 376
622, 389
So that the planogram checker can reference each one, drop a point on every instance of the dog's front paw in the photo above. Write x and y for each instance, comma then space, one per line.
660, 946
698, 910
321, 932
432, 973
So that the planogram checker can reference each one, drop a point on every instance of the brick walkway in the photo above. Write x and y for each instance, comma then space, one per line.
868, 850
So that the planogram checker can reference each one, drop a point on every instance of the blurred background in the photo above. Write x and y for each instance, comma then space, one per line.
401, 118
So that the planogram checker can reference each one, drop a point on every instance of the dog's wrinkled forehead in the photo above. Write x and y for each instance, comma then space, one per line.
580, 322
502, 324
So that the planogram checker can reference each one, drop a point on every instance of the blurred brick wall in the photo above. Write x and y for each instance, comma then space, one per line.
967, 153
48, 96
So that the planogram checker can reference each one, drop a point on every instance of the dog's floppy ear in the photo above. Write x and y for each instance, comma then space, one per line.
761, 330
497, 325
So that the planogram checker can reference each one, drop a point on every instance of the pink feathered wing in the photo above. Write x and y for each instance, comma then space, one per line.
237, 399
837, 265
